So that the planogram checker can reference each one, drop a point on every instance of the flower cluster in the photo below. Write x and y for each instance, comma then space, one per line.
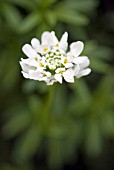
49, 60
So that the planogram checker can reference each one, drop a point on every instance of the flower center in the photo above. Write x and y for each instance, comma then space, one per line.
53, 59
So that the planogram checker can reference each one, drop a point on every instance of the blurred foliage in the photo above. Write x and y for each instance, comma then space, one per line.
39, 131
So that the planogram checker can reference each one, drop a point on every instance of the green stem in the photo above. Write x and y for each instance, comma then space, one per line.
47, 108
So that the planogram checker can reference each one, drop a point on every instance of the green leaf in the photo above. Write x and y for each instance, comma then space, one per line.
99, 65
107, 124
42, 87
6, 166
35, 106
92, 48
93, 142
56, 130
43, 27
29, 86
82, 90
29, 23
71, 17
55, 153
12, 15
27, 145
27, 4
103, 103
106, 86
16, 124
51, 18
81, 5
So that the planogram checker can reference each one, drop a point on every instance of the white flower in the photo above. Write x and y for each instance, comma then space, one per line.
49, 60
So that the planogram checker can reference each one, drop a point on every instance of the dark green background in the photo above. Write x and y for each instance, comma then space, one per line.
76, 130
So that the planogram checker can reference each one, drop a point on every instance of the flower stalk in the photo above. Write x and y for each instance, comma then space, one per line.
47, 112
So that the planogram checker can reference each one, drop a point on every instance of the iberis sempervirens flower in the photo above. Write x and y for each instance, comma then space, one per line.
49, 60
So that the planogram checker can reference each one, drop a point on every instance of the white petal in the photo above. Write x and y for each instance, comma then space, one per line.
70, 57
59, 70
83, 60
35, 44
43, 78
70, 80
76, 48
25, 67
69, 75
76, 69
30, 62
35, 75
26, 75
40, 69
44, 49
29, 51
26, 61
63, 42
47, 73
68, 65
50, 83
58, 77
55, 40
49, 38
51, 80
83, 72
51, 67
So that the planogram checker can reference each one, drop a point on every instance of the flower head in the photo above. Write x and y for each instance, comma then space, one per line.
49, 60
